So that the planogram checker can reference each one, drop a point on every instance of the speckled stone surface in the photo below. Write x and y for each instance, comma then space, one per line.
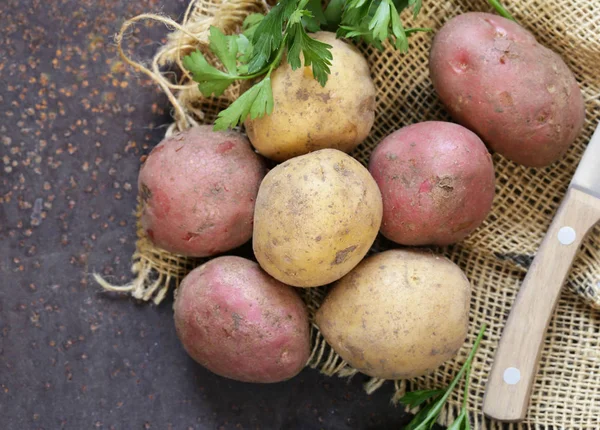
74, 124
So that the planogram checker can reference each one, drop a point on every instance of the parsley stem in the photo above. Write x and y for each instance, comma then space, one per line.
412, 30
254, 75
501, 10
466, 392
277, 59
269, 67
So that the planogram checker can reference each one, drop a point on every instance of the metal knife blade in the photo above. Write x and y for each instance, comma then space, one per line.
587, 175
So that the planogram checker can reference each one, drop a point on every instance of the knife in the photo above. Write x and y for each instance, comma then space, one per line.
516, 361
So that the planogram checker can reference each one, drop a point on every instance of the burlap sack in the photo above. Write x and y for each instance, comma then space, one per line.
566, 394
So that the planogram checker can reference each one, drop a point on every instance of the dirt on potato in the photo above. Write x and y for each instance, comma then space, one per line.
239, 322
437, 183
398, 314
198, 189
517, 95
316, 217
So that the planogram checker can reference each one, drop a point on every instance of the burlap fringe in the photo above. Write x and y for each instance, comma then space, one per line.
154, 270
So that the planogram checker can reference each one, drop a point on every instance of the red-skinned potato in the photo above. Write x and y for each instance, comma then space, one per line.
240, 323
517, 95
437, 183
198, 190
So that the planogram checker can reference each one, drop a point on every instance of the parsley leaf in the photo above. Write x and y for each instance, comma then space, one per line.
356, 14
316, 20
244, 48
416, 4
250, 23
255, 102
263, 102
381, 20
210, 79
225, 48
268, 35
401, 4
357, 3
401, 42
333, 14
315, 52
376, 21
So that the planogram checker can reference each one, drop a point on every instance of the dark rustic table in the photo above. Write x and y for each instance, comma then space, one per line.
74, 123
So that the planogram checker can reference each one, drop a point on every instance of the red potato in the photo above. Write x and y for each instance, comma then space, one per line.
240, 323
437, 183
198, 190
517, 95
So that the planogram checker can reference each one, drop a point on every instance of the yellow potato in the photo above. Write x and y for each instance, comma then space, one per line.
398, 314
307, 117
315, 218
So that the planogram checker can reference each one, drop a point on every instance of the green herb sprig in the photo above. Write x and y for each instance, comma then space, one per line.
434, 400
284, 33
502, 11
256, 52
376, 21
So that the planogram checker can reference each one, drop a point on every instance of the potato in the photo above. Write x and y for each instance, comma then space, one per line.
307, 117
398, 314
316, 217
517, 95
198, 190
437, 183
240, 323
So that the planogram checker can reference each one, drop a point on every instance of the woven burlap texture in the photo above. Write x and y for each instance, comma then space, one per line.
496, 257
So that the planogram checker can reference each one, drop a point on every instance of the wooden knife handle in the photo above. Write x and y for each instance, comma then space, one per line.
515, 364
